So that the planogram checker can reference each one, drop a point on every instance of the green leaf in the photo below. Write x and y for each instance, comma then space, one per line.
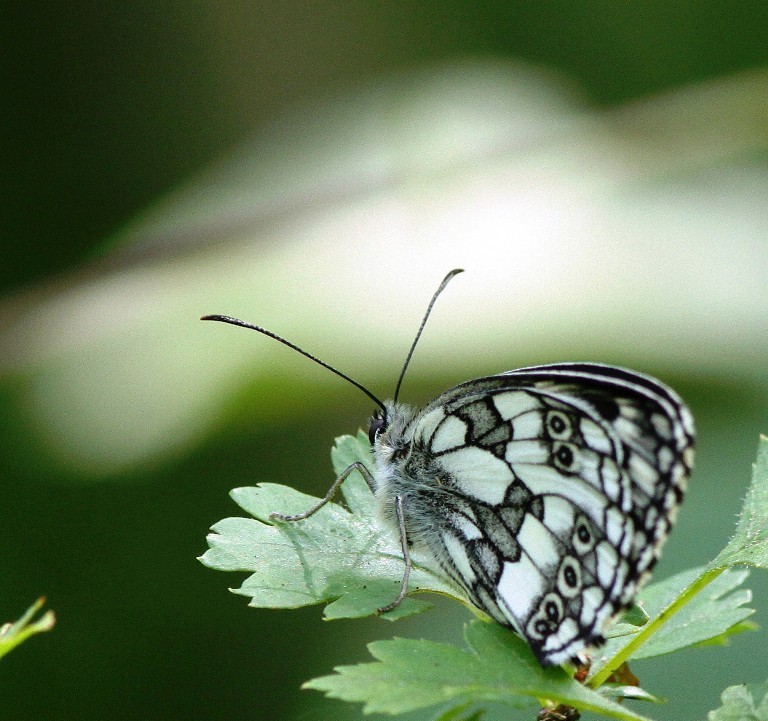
681, 615
715, 612
749, 545
12, 634
742, 703
497, 667
335, 556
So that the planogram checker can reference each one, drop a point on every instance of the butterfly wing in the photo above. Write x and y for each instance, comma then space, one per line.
558, 485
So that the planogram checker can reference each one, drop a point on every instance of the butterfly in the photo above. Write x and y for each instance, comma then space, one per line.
544, 493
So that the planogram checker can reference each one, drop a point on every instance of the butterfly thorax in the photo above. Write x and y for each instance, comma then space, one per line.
403, 468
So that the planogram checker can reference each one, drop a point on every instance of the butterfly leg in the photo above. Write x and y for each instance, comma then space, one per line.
406, 557
356, 466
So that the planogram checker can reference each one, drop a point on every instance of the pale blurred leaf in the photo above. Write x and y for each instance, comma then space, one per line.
334, 227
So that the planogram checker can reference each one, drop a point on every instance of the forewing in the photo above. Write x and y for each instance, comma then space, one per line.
560, 484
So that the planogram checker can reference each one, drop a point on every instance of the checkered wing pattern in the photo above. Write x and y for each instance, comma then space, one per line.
546, 494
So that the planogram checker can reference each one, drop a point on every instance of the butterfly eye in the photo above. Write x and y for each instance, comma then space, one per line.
377, 425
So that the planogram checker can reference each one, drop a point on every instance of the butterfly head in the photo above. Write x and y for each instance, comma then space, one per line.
389, 428
377, 425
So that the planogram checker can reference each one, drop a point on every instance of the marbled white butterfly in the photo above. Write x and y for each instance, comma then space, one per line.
544, 493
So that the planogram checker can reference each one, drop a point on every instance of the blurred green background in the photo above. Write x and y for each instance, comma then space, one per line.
598, 168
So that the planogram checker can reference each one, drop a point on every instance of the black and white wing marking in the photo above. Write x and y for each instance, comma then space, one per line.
557, 486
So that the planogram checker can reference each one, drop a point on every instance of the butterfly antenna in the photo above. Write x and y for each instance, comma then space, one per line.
440, 289
264, 331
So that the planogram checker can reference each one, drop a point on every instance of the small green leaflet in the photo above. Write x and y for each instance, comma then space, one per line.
742, 703
12, 634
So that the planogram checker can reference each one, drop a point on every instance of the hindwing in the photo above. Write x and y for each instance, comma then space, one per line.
558, 485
